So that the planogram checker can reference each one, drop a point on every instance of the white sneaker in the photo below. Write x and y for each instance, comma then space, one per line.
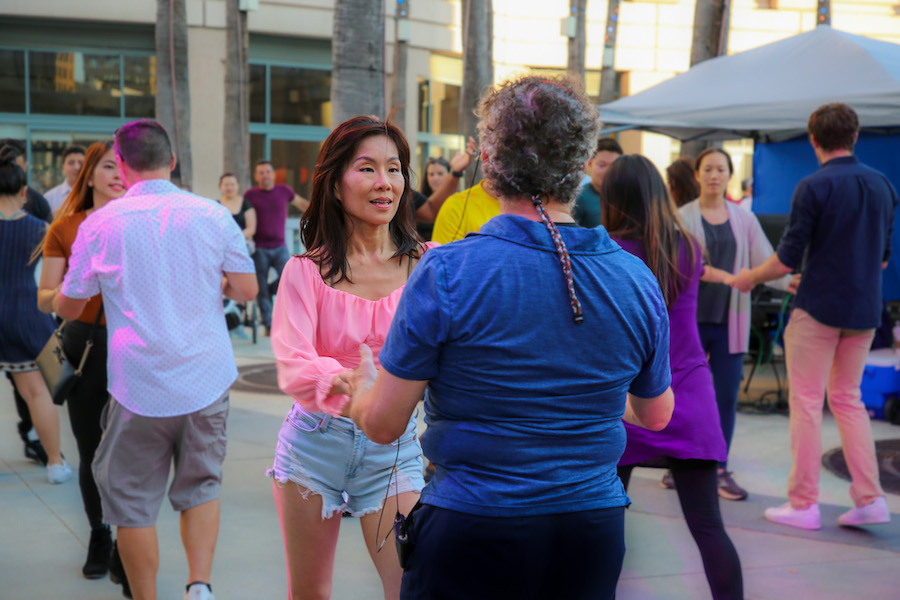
199, 591
788, 515
871, 514
60, 473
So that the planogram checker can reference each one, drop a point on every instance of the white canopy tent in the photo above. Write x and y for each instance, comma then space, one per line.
769, 92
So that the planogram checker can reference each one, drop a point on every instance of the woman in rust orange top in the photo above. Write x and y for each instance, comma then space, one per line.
97, 183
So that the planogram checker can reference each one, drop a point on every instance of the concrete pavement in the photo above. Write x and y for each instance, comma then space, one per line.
44, 534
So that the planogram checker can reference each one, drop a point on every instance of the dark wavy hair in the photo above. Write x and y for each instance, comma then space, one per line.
636, 205
324, 227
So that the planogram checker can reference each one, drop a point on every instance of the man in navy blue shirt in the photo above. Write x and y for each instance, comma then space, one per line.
845, 205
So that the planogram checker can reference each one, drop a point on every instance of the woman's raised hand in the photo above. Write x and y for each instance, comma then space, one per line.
464, 159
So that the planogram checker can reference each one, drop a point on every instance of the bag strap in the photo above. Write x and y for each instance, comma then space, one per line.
90, 342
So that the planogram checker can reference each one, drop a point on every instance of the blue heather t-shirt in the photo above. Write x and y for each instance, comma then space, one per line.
524, 407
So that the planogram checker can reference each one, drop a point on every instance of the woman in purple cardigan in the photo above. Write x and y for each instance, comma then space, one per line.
640, 216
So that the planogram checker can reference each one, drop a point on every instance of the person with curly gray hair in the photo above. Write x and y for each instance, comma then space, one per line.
534, 338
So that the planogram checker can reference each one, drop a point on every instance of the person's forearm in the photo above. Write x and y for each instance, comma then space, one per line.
428, 212
714, 275
773, 268
300, 203
45, 299
68, 308
650, 413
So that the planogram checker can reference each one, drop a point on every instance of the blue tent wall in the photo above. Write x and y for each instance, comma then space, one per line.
779, 166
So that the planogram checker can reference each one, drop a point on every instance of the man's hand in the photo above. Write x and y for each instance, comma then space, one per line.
362, 378
300, 202
744, 281
795, 283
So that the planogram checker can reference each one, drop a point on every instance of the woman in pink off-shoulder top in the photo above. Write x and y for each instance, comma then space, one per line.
361, 247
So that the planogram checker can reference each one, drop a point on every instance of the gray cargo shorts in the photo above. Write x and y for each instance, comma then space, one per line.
131, 465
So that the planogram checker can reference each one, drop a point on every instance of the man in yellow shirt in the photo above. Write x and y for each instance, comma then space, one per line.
464, 212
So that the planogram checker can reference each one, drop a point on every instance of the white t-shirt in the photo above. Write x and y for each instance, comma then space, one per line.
56, 196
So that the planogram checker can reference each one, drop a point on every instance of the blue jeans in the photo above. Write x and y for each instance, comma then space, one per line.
727, 372
265, 259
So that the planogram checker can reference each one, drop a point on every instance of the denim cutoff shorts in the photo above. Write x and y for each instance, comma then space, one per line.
332, 457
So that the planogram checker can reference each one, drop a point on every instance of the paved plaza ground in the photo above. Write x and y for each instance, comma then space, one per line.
44, 534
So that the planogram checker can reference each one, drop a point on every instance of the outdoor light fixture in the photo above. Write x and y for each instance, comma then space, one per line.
609, 39
401, 16
823, 12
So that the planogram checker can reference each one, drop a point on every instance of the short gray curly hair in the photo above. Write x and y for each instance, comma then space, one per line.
536, 133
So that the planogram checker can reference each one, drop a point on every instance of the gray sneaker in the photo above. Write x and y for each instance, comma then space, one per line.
730, 490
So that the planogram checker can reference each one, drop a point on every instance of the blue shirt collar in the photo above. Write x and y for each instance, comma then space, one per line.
534, 234
842, 160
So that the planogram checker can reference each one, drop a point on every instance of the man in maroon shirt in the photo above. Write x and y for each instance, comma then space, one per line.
270, 200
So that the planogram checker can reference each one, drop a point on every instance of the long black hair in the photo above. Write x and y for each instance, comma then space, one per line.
636, 205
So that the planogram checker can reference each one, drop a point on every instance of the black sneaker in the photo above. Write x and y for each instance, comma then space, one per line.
99, 552
667, 482
730, 490
35, 451
117, 571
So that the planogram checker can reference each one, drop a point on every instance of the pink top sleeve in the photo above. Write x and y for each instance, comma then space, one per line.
317, 331
302, 373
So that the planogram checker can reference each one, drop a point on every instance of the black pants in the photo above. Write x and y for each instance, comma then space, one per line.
85, 403
696, 484
575, 556
25, 424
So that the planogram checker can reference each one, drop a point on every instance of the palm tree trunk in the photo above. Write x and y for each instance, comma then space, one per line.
575, 64
401, 58
357, 57
608, 71
710, 29
478, 60
173, 98
710, 40
236, 146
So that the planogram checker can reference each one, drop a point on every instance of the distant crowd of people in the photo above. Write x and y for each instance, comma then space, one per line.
569, 317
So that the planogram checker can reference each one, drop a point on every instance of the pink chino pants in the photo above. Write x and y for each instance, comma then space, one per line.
819, 358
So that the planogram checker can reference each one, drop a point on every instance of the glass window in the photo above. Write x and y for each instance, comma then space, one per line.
445, 100
424, 106
12, 81
257, 152
258, 93
300, 96
74, 83
140, 86
46, 155
294, 163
